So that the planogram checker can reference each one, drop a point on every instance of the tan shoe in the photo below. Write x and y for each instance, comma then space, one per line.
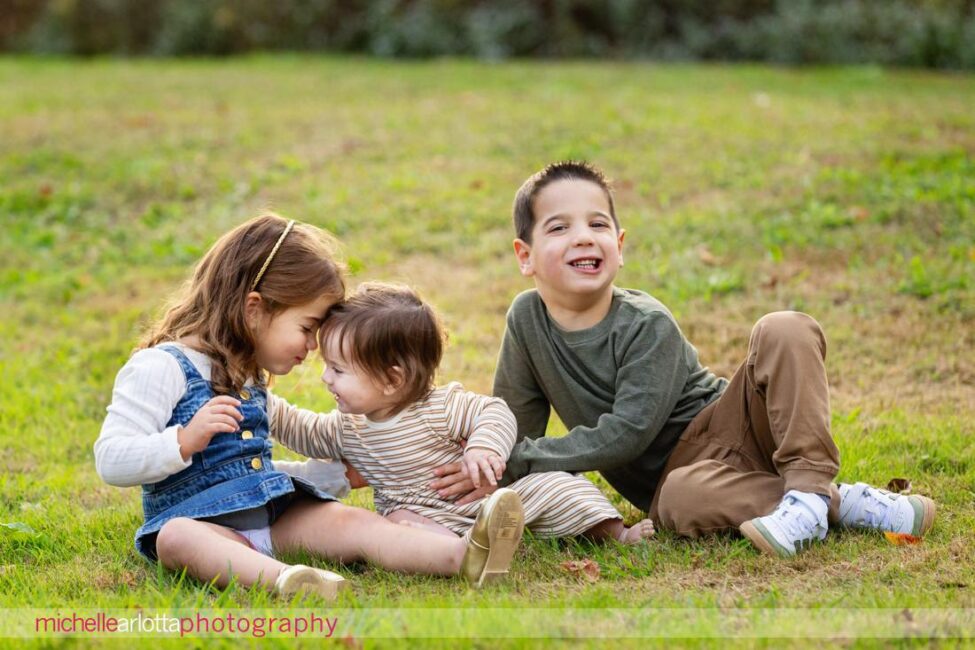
310, 580
494, 538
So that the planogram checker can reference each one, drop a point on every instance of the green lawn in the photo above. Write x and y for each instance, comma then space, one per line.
846, 193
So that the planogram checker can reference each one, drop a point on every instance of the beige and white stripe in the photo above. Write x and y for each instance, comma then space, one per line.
397, 458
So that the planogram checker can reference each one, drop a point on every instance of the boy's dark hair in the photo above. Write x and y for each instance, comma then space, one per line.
523, 211
384, 325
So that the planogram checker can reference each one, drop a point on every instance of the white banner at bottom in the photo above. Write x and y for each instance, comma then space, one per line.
493, 623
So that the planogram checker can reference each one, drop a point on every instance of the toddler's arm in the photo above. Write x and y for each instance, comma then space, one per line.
485, 422
312, 434
135, 446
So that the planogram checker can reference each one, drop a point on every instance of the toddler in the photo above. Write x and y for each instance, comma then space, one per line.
382, 348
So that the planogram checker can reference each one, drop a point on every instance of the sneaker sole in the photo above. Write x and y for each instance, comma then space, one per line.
927, 509
314, 583
761, 542
506, 525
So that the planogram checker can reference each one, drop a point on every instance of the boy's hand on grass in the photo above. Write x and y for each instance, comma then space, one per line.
478, 461
219, 415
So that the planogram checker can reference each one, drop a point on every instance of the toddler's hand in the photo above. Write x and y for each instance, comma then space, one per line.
478, 460
219, 415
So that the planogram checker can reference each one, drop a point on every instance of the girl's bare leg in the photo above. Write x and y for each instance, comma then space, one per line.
418, 521
210, 551
614, 529
348, 534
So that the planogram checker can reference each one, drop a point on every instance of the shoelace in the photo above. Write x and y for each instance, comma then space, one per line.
797, 521
876, 509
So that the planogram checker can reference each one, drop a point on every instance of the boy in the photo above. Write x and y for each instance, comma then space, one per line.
702, 454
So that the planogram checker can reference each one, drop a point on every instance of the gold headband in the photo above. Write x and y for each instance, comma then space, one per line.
267, 262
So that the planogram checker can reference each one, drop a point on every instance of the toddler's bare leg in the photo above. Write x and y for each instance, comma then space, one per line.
614, 529
409, 518
210, 551
348, 534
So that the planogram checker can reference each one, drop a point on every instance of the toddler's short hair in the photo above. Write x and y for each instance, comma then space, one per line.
523, 211
382, 325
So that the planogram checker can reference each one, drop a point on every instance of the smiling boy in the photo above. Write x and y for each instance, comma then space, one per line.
702, 454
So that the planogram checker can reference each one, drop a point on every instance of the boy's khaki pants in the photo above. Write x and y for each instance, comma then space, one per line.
767, 434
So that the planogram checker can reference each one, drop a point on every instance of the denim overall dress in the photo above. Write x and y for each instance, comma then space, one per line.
234, 473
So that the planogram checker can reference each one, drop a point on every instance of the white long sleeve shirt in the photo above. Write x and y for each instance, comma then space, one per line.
135, 446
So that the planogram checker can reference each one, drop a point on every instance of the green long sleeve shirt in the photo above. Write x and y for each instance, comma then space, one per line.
625, 389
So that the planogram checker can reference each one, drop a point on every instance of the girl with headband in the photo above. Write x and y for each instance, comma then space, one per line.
189, 422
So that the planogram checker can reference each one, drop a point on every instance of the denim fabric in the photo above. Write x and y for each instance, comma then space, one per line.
232, 474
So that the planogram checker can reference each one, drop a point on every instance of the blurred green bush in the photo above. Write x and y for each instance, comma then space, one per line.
929, 33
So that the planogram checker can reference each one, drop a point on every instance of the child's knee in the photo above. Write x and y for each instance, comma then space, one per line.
173, 539
789, 326
350, 516
684, 495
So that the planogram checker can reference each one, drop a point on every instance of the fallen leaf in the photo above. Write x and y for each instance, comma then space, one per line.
900, 485
587, 569
902, 539
706, 256
352, 642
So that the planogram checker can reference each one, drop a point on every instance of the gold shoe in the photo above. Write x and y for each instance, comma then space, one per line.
494, 538
310, 580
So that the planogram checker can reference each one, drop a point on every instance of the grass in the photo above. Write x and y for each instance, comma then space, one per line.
848, 193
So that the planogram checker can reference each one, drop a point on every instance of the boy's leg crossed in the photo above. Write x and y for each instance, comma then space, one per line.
767, 434
788, 402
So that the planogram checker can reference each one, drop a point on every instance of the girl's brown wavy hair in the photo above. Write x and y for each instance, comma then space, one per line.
210, 304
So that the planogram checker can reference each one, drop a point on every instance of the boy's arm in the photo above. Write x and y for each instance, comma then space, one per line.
485, 422
312, 434
515, 383
649, 383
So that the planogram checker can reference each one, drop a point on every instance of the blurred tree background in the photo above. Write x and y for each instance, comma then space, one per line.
927, 33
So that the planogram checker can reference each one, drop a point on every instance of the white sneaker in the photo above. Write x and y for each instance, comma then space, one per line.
299, 577
862, 506
799, 519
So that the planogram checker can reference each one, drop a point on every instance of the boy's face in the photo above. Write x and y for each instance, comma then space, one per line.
576, 249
